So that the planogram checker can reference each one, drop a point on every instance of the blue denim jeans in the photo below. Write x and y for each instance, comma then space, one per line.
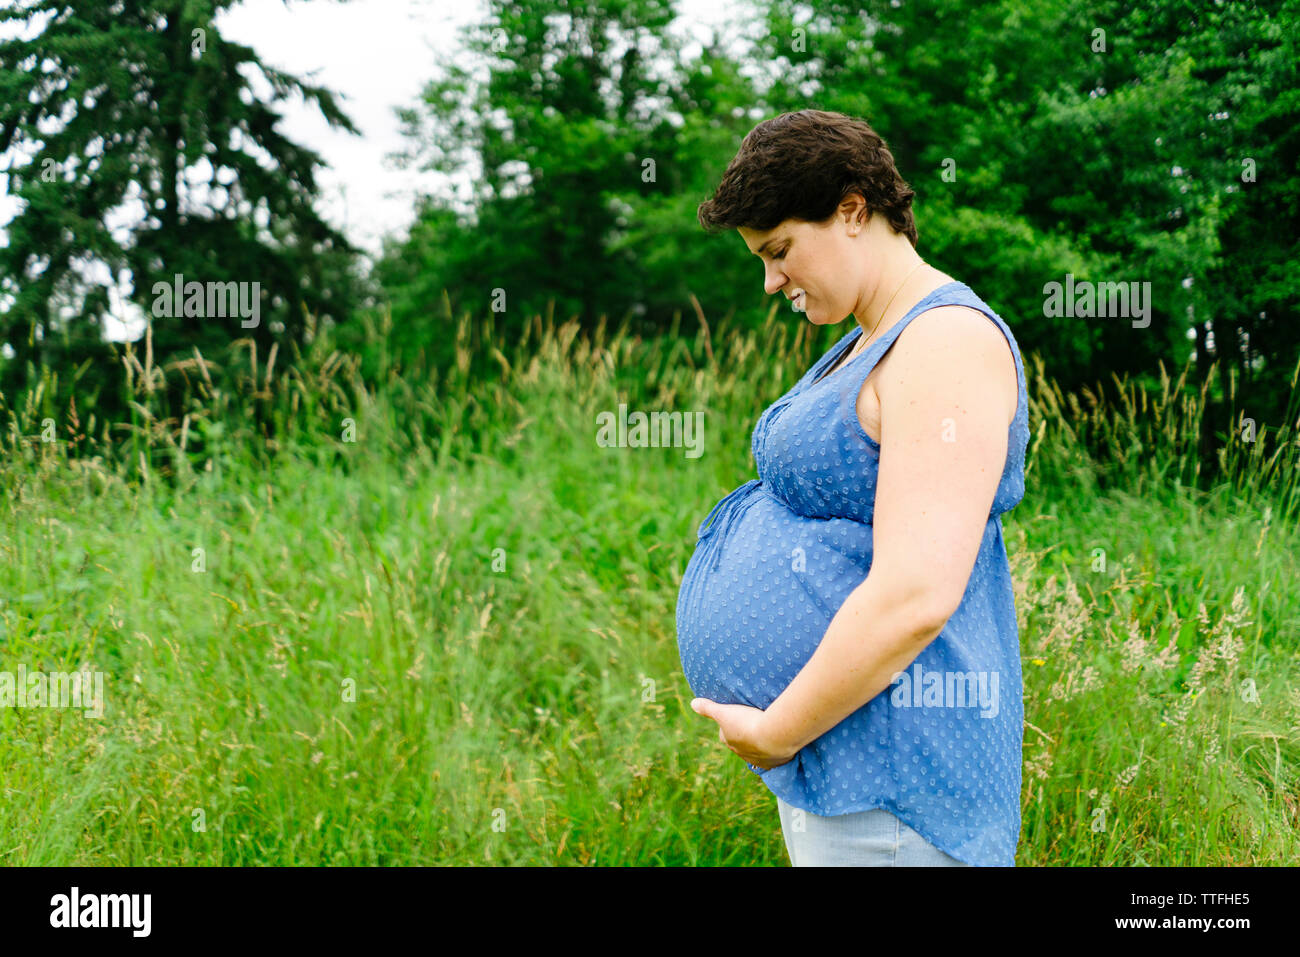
874, 838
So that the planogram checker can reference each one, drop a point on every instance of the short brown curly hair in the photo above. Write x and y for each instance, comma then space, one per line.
801, 166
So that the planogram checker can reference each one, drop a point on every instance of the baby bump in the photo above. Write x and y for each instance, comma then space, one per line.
758, 594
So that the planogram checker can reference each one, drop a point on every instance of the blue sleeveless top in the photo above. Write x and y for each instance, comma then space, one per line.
774, 561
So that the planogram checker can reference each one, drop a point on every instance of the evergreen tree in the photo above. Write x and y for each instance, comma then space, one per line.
143, 105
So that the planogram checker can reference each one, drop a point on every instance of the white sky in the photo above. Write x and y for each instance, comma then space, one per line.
375, 55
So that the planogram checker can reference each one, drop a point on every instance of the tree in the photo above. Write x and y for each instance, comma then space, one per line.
571, 135
1099, 139
1102, 138
144, 103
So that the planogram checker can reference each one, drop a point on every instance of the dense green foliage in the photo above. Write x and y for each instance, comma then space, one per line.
1149, 141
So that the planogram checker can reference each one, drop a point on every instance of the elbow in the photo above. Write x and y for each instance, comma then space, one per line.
931, 612
920, 605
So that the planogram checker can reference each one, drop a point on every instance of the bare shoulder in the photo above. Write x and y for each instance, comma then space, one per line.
948, 344
953, 328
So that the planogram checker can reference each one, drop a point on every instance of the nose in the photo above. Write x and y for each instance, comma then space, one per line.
773, 281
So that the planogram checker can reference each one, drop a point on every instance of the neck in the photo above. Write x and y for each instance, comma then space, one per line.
891, 292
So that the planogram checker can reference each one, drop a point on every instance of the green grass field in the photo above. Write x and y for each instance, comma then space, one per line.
451, 640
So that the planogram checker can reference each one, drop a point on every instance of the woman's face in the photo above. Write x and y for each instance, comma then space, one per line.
818, 267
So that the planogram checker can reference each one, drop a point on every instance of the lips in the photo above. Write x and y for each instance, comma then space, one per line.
799, 301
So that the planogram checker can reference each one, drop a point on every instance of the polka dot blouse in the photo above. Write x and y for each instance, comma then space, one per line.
777, 557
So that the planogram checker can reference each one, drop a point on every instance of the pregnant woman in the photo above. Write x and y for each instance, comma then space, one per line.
847, 618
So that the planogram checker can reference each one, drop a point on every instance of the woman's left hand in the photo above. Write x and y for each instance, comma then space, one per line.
745, 730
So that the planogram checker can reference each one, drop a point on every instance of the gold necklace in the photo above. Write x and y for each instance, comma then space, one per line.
891, 302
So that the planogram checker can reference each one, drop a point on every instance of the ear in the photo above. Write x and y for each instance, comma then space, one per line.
858, 206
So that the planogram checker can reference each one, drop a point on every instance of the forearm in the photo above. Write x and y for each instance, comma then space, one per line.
874, 635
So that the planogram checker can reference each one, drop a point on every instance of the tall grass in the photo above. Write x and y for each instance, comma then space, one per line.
432, 621
1145, 442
